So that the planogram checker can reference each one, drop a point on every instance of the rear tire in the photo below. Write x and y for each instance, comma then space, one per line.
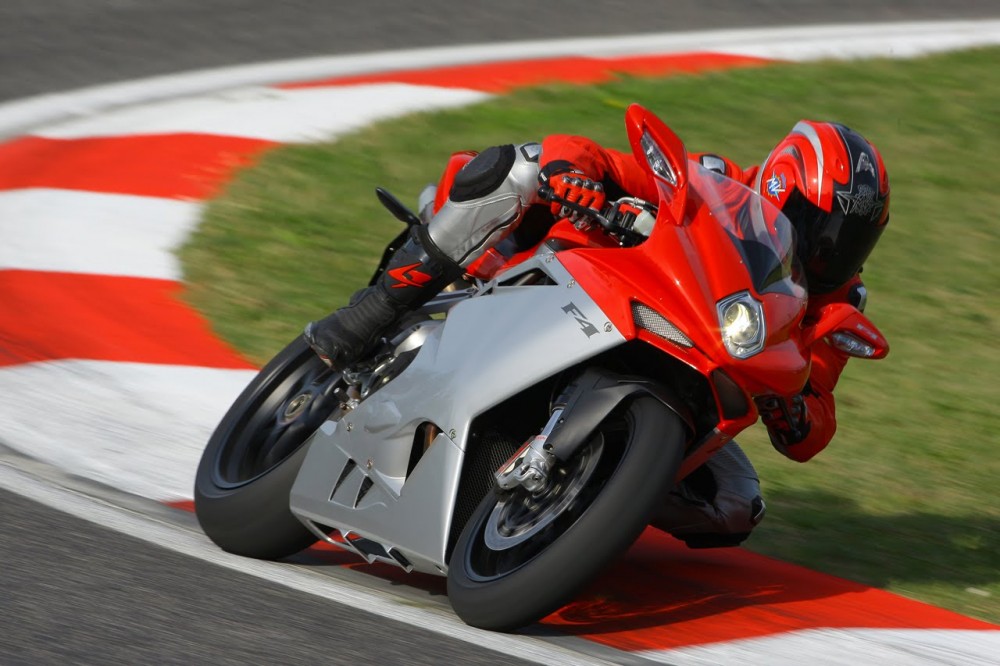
511, 568
250, 463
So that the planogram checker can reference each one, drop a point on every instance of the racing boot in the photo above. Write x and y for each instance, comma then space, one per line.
413, 276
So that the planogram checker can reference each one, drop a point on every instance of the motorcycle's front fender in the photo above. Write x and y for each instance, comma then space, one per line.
593, 396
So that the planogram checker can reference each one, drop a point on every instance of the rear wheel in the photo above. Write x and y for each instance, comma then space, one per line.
250, 463
523, 555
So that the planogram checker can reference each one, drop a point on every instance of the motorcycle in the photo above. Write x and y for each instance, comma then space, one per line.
518, 432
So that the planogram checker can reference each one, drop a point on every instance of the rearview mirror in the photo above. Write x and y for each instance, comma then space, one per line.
847, 330
662, 151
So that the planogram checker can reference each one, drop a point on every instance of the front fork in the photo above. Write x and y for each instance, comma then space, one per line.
587, 401
530, 466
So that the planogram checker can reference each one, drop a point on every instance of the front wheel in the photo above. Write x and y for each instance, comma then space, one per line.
250, 463
522, 556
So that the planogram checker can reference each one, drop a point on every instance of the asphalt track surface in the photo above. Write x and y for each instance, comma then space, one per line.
75, 592
78, 593
53, 45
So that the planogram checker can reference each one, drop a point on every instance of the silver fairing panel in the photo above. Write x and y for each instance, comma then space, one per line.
490, 347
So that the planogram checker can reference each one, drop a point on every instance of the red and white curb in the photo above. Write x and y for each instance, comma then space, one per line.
103, 372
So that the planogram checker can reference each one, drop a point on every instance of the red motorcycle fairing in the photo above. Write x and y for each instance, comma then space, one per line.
782, 367
682, 271
713, 239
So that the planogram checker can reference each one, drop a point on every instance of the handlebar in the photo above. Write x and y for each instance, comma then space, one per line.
609, 221
546, 193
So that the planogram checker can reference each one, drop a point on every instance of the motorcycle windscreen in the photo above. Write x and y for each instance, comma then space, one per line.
763, 236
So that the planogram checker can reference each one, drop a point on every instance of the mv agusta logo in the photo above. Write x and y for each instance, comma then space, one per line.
776, 185
585, 325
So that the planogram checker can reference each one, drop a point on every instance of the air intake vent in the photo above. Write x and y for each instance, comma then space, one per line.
649, 319
366, 485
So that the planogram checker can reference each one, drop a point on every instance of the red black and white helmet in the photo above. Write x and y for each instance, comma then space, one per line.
832, 184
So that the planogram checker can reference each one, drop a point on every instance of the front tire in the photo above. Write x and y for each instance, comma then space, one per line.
250, 463
521, 557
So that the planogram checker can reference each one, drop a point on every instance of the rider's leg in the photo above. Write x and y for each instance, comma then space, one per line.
718, 504
487, 200
415, 273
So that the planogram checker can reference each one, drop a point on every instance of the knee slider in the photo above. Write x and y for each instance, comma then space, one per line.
484, 174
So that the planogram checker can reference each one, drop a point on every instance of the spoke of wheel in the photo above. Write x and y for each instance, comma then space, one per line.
258, 458
264, 417
285, 439
284, 444
522, 525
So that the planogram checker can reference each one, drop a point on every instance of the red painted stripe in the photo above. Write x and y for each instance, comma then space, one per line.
173, 166
46, 316
496, 77
663, 595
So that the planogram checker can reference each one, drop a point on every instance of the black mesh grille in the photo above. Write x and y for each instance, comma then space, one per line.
485, 455
651, 320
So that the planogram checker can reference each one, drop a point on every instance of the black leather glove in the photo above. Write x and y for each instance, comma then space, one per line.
787, 419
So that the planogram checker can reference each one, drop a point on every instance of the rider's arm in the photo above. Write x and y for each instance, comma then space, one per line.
821, 414
619, 172
827, 365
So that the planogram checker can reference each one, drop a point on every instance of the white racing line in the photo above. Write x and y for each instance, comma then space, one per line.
117, 421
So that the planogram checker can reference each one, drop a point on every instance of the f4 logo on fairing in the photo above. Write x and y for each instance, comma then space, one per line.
585, 325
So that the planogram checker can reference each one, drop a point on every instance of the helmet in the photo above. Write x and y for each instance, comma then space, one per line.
831, 183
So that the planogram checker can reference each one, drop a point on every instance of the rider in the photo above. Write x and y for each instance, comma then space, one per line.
827, 179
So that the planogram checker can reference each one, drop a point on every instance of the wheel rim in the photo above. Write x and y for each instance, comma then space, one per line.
281, 415
517, 536
521, 516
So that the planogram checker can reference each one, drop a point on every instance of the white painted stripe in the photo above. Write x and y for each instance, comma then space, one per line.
438, 620
137, 427
835, 647
87, 232
794, 43
284, 116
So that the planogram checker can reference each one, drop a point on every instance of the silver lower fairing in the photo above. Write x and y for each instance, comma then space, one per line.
491, 346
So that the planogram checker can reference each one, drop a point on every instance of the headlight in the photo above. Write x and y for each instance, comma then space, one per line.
741, 319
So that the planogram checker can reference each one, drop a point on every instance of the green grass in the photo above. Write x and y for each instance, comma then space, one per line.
905, 498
